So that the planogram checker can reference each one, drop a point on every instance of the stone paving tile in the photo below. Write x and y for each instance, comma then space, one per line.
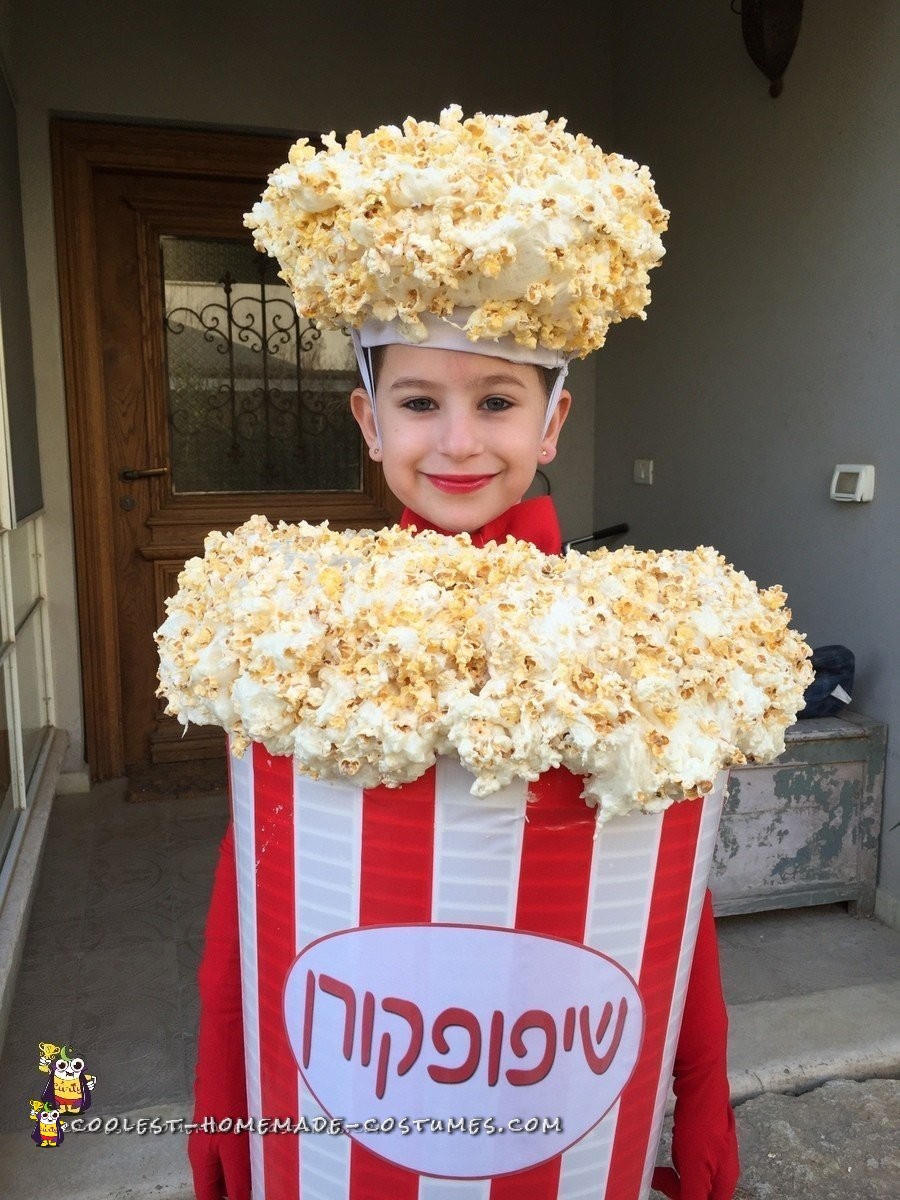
836, 1142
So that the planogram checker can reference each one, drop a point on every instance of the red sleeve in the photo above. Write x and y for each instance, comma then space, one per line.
220, 1162
704, 1142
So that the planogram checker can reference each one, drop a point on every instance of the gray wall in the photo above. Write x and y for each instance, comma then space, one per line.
770, 350
287, 65
767, 355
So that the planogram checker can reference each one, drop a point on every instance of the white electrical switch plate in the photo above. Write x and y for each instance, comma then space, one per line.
853, 481
643, 470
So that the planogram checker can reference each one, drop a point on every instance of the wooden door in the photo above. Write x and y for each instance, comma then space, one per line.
195, 400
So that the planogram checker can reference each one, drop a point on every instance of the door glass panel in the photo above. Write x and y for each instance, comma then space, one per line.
23, 569
257, 397
8, 812
32, 692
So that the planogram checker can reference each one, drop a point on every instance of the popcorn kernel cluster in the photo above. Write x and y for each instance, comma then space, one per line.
546, 238
368, 654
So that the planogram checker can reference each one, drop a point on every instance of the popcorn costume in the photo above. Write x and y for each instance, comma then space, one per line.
510, 237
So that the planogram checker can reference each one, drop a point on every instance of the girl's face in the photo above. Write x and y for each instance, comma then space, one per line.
460, 433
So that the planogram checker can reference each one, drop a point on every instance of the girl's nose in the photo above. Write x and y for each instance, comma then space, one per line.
459, 437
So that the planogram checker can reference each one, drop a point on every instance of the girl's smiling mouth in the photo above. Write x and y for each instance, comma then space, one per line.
459, 483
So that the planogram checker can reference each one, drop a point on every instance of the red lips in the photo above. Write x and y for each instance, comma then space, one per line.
459, 483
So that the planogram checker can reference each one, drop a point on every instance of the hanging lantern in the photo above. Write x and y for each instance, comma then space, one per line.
771, 29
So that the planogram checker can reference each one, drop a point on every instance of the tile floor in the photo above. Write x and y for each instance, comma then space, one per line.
796, 952
112, 949
116, 933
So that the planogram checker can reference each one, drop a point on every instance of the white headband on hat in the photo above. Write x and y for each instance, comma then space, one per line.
446, 334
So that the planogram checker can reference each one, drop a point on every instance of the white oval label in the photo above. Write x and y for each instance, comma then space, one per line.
443, 1036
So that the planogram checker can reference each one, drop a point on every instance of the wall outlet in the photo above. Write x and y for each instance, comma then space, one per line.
643, 470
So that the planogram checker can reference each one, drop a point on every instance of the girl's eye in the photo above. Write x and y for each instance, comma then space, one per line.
497, 403
418, 404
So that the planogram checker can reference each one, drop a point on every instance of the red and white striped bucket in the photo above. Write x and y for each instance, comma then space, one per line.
484, 995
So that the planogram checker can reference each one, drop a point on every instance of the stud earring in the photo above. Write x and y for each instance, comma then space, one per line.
375, 452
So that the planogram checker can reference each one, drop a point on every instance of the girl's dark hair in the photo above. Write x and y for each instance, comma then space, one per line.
376, 357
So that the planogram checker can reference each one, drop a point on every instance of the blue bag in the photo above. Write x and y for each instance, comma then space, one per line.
831, 690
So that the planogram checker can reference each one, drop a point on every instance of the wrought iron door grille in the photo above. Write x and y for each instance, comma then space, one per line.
257, 397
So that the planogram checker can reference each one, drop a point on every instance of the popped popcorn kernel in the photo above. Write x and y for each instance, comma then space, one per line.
365, 655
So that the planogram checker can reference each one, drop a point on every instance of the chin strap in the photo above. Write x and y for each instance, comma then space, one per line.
364, 362
555, 393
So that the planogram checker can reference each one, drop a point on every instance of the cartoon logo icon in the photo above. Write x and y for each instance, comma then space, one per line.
48, 1129
70, 1087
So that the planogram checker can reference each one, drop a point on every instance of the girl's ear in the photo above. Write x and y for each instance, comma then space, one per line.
548, 441
361, 407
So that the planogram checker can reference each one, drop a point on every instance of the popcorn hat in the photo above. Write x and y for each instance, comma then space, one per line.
501, 235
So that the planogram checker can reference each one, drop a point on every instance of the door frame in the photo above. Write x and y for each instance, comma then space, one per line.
79, 149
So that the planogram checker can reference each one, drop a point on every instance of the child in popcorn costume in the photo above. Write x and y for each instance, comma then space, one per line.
471, 261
